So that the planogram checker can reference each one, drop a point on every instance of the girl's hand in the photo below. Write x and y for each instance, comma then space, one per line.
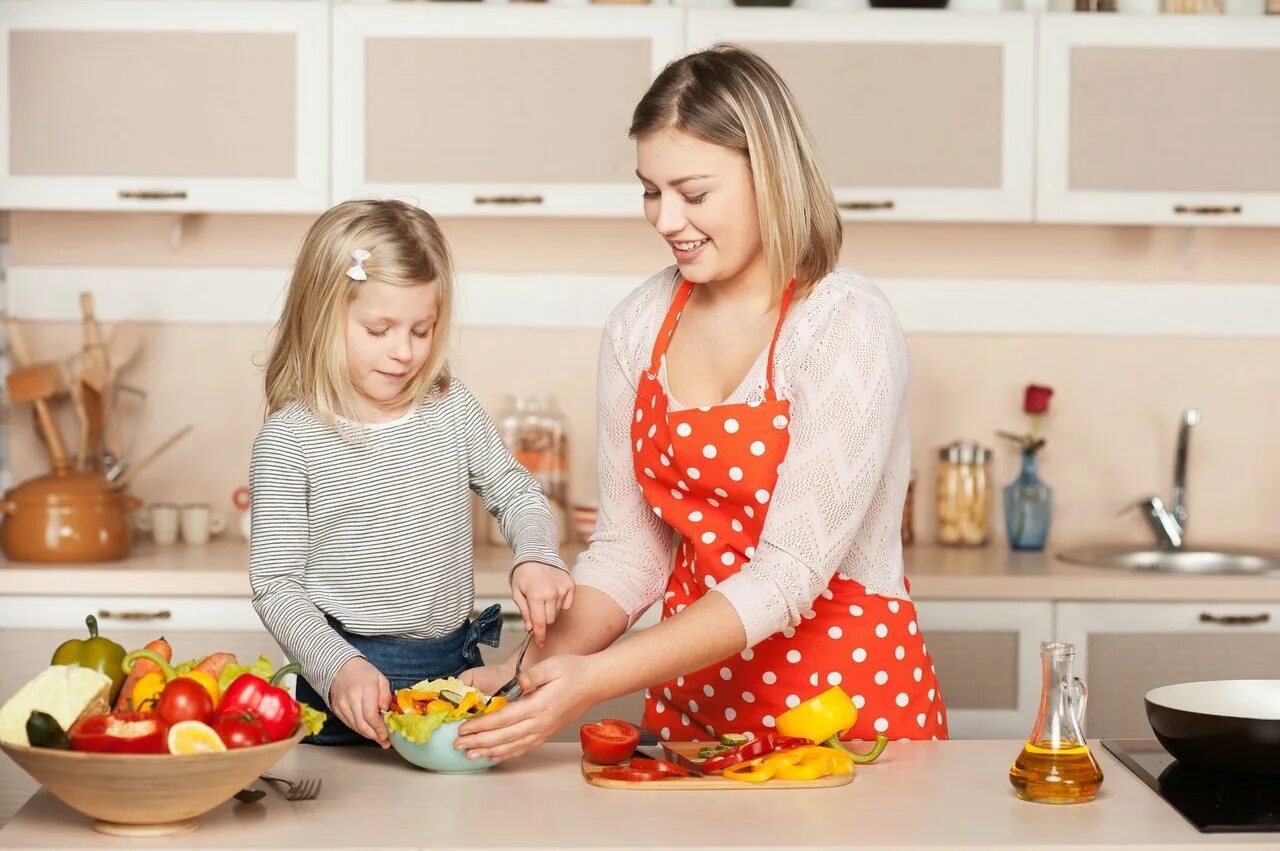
555, 693
488, 678
540, 591
359, 695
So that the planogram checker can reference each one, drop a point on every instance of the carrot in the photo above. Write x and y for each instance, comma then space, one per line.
142, 666
215, 663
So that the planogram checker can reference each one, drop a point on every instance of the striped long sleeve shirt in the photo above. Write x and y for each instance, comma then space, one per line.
376, 533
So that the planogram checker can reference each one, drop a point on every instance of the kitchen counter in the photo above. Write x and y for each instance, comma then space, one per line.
220, 569
941, 795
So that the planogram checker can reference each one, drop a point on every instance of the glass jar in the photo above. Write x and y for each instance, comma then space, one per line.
963, 495
535, 431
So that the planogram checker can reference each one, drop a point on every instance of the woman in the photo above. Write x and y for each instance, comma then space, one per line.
752, 415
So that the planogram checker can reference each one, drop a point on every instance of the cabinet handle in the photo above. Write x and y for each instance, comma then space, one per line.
1235, 620
508, 199
1208, 210
162, 615
153, 195
865, 205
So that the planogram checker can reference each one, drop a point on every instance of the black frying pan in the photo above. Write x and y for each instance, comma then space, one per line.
1220, 725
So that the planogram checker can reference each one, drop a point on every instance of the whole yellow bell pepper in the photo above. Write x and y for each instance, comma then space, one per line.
824, 719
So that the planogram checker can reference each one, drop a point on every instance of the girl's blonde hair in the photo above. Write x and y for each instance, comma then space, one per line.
729, 96
308, 362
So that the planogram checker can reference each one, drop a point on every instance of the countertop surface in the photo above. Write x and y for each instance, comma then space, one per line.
937, 795
220, 569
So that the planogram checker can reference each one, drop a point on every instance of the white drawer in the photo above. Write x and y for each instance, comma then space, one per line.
230, 614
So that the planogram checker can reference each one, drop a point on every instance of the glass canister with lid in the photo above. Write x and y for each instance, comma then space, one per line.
963, 495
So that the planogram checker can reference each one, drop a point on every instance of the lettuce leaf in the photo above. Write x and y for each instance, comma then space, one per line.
416, 728
312, 719
262, 668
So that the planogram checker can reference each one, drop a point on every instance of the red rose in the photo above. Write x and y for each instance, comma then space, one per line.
1037, 399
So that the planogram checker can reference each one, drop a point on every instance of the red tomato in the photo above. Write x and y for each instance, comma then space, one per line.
660, 765
608, 742
239, 731
632, 775
183, 699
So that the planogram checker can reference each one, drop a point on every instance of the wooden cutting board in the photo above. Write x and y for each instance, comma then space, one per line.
591, 772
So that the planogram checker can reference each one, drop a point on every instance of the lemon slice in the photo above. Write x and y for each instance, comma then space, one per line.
191, 737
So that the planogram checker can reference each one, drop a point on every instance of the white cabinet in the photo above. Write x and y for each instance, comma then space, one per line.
137, 105
506, 111
1158, 120
987, 658
917, 115
1123, 650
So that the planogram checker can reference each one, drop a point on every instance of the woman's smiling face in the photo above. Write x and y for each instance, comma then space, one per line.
700, 198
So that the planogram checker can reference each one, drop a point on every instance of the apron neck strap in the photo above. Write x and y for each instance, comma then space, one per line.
668, 329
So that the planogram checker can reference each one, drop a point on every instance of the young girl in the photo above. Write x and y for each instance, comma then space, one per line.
361, 559
752, 409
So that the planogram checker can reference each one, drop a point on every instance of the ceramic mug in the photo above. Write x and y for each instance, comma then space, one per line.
161, 521
199, 522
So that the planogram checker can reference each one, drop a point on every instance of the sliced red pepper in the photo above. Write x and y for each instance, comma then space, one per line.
118, 732
273, 707
632, 775
660, 765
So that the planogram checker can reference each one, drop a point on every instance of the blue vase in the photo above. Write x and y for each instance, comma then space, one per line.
1028, 507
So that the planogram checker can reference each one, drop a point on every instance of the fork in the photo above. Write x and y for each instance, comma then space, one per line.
511, 688
306, 789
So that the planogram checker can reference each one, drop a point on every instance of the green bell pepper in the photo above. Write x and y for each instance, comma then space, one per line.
96, 653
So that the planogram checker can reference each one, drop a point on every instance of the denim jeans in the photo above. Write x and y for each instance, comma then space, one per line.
405, 661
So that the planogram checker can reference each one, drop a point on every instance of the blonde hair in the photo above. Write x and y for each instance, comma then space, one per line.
729, 96
308, 361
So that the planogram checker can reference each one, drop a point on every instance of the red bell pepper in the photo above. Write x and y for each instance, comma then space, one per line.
118, 732
766, 744
272, 706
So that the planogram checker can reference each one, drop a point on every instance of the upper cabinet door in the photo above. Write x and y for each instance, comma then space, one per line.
494, 110
917, 115
137, 105
1158, 120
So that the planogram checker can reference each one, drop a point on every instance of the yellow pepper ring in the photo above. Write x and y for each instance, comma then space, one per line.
751, 771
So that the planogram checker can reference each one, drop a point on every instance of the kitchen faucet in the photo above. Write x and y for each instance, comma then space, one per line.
1170, 523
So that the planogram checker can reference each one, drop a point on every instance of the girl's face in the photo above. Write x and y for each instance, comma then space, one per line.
700, 198
389, 333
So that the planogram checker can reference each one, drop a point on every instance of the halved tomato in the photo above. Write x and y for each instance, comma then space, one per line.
660, 765
608, 742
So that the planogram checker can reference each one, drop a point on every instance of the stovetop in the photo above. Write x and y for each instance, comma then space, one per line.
1214, 803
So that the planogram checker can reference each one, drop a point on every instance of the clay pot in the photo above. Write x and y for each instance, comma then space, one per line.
66, 517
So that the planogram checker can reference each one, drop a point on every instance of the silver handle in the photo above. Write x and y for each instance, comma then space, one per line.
161, 615
1235, 620
1208, 209
508, 199
865, 205
153, 195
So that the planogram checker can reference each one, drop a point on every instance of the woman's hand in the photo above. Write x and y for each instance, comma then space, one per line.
555, 693
358, 696
540, 591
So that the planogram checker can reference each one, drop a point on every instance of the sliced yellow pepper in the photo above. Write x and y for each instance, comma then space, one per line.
751, 771
404, 699
469, 700
438, 706
495, 704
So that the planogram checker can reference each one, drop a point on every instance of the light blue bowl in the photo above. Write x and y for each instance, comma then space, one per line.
437, 753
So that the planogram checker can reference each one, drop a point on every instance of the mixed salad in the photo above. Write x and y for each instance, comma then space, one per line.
416, 712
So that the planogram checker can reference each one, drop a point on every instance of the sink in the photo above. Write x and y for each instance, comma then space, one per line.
1203, 561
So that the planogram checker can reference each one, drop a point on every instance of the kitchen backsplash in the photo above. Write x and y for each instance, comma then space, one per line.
1110, 434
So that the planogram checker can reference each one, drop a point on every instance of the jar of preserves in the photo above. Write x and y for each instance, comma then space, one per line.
963, 495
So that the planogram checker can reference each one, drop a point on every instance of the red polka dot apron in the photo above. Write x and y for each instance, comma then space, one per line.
709, 473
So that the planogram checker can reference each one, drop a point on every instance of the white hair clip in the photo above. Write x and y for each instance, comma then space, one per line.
356, 272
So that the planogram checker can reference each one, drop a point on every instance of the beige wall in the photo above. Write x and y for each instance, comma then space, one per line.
1110, 434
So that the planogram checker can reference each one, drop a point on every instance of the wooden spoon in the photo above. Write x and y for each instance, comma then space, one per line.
146, 461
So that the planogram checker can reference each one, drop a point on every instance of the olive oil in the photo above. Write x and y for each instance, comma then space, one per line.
1056, 775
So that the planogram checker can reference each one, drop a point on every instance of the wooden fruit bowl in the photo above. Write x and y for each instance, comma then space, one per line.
146, 794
